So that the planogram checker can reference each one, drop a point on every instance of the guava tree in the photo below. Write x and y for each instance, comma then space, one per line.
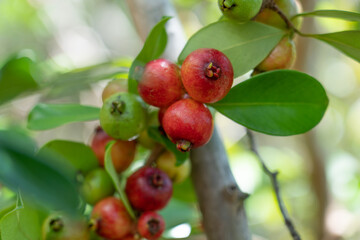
90, 192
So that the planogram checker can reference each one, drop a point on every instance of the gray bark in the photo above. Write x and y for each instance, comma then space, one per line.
220, 199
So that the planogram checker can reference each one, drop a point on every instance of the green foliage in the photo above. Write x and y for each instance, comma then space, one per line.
78, 155
109, 167
154, 46
37, 176
155, 134
47, 116
282, 103
16, 77
347, 42
344, 15
184, 191
246, 44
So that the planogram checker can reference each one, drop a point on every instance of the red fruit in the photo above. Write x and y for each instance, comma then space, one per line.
207, 75
129, 237
148, 189
111, 218
188, 123
122, 153
161, 114
160, 84
151, 225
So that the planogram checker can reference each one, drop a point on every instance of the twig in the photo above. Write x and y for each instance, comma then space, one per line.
273, 176
155, 153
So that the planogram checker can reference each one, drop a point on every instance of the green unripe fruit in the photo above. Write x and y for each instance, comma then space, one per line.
240, 10
167, 163
96, 186
58, 227
115, 86
122, 116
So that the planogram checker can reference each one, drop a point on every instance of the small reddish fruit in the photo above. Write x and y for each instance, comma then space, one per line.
122, 153
188, 123
111, 219
151, 225
207, 75
148, 189
160, 84
281, 57
115, 86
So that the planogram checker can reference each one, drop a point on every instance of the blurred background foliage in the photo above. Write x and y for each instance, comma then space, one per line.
48, 45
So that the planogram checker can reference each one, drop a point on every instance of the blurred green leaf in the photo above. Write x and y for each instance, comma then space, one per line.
110, 169
154, 46
36, 176
177, 212
72, 82
78, 155
155, 134
347, 42
184, 191
47, 116
282, 103
23, 222
344, 15
245, 44
17, 77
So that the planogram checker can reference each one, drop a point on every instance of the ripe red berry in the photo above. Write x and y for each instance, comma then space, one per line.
111, 219
148, 189
151, 225
160, 84
207, 75
122, 153
188, 123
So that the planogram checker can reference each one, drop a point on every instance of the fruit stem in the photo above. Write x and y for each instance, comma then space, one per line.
183, 145
117, 106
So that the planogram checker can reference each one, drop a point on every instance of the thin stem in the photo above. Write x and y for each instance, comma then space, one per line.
155, 153
273, 176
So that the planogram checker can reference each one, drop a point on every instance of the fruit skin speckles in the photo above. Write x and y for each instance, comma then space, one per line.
160, 84
188, 123
207, 75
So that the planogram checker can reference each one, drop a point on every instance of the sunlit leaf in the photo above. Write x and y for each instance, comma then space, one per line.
344, 15
282, 102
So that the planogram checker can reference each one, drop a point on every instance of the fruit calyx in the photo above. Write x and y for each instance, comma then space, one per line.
213, 72
183, 145
56, 224
228, 4
154, 226
157, 180
117, 106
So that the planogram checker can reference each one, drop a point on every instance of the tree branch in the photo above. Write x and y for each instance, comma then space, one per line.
273, 176
155, 153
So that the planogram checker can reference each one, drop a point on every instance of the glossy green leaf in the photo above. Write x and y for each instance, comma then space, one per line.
245, 44
347, 42
154, 46
68, 83
35, 175
17, 77
155, 134
80, 156
110, 169
282, 103
23, 222
344, 15
47, 116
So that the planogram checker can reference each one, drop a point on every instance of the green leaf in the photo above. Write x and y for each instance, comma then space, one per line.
47, 116
78, 155
35, 175
347, 42
65, 84
110, 169
23, 222
17, 77
245, 44
282, 103
155, 134
344, 15
154, 46
185, 191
